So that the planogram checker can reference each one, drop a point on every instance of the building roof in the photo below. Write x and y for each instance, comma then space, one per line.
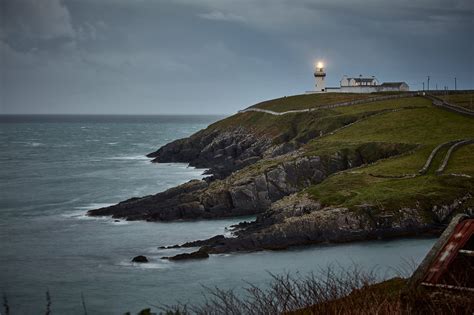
363, 79
392, 84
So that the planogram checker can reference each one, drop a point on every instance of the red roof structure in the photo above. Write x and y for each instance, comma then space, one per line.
450, 263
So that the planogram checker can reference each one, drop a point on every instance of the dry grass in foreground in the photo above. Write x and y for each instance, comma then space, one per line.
329, 291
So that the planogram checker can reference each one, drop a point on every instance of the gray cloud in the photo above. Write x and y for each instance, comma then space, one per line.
217, 56
221, 16
30, 24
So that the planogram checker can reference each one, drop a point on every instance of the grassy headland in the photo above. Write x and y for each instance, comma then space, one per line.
335, 174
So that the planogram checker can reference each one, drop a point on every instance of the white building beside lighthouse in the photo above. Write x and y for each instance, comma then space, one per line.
359, 84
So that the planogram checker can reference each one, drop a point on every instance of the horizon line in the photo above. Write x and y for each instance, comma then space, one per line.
106, 114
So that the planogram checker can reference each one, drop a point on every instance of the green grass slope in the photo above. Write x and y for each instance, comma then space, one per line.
305, 101
424, 128
302, 127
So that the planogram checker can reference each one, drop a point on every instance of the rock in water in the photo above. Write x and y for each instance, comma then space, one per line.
199, 254
140, 259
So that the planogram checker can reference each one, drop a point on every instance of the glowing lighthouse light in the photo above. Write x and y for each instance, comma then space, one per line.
320, 65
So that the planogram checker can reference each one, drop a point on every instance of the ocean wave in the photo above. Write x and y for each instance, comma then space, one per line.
66, 145
95, 160
92, 206
229, 233
80, 212
154, 263
29, 143
82, 215
157, 251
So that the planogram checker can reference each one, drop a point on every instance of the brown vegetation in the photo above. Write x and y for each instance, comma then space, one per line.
329, 291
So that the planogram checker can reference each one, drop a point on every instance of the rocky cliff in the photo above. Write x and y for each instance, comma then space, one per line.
248, 191
222, 152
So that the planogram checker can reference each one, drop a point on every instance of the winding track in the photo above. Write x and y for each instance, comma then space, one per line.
428, 162
341, 104
454, 145
450, 151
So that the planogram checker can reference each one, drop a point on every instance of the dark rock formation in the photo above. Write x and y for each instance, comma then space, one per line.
221, 151
199, 254
140, 259
245, 192
173, 204
213, 241
299, 220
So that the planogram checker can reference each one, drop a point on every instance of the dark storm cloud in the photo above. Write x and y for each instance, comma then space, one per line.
28, 24
216, 56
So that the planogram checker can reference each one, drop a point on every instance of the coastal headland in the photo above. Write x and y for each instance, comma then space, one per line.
322, 168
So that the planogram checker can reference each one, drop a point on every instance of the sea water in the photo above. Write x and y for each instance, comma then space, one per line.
55, 168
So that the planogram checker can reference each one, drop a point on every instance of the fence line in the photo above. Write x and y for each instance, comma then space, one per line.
439, 102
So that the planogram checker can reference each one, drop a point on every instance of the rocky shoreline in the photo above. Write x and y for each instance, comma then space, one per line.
297, 221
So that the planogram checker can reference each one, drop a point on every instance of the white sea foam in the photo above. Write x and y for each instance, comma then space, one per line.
229, 233
154, 263
93, 205
66, 145
78, 214
81, 212
82, 215
29, 143
117, 222
155, 250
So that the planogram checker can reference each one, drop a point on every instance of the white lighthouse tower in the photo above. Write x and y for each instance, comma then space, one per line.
319, 74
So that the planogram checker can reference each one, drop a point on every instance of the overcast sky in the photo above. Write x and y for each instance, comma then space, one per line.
218, 56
